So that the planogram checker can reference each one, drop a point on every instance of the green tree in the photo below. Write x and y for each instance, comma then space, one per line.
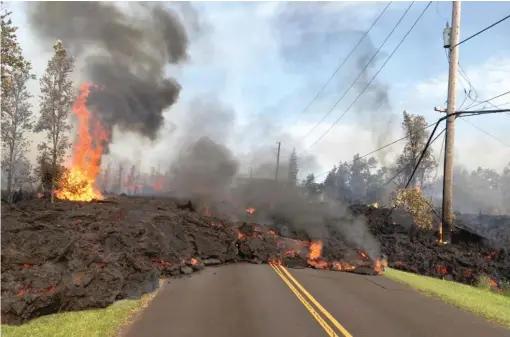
293, 168
17, 116
414, 129
57, 96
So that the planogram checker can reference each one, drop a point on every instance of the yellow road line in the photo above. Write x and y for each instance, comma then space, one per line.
317, 304
329, 330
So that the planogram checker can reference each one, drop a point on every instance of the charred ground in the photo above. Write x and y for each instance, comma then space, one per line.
79, 255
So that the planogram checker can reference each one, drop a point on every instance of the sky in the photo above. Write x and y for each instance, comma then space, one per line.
267, 60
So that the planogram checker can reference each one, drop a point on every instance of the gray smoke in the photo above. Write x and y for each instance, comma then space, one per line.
125, 54
315, 33
204, 167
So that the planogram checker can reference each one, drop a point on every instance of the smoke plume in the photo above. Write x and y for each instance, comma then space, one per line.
125, 55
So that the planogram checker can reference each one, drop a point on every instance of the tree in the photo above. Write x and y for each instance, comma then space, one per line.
11, 53
293, 168
57, 96
360, 172
17, 116
44, 171
313, 189
414, 129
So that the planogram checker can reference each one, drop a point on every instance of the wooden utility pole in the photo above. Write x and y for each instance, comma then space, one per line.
277, 161
448, 219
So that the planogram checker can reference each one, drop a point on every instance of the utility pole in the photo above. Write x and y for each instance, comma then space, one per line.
277, 161
452, 44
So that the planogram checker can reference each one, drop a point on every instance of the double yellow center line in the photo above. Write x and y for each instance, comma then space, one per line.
309, 302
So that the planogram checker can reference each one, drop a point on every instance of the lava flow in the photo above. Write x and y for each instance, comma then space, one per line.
78, 182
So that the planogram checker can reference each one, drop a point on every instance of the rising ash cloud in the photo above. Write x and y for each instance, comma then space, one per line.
125, 53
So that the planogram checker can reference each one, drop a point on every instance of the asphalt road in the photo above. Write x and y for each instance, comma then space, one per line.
244, 300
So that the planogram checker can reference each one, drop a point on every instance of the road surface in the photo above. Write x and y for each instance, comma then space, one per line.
245, 300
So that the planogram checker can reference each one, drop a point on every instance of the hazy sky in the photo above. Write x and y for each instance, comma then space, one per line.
267, 64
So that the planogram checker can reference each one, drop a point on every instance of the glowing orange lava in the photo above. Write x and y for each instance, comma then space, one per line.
78, 183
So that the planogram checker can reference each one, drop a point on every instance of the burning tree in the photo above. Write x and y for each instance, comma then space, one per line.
79, 182
17, 117
57, 96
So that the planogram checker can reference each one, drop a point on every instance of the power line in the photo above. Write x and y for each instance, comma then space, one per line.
457, 114
415, 167
361, 73
381, 148
377, 73
341, 64
483, 30
487, 133
488, 100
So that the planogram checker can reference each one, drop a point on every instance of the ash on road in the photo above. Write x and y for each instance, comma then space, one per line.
253, 301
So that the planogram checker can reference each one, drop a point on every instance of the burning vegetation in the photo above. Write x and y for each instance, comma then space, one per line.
78, 183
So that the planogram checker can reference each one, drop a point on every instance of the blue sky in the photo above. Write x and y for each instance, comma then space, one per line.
267, 61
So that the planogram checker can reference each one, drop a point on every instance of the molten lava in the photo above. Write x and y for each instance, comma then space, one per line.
78, 183
315, 254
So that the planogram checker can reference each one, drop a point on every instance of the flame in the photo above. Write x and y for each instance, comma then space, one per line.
78, 183
493, 283
375, 205
314, 254
22, 291
250, 210
159, 184
336, 265
40, 195
380, 265
275, 261
315, 250
363, 255
161, 262
493, 254
441, 269
194, 261
207, 212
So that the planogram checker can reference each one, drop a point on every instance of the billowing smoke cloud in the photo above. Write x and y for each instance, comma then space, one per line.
204, 167
125, 54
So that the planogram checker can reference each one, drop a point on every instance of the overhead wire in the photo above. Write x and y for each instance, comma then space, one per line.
377, 73
380, 148
486, 132
360, 74
483, 30
406, 167
342, 63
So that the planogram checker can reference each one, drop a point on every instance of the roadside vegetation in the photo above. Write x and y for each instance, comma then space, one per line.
481, 300
106, 322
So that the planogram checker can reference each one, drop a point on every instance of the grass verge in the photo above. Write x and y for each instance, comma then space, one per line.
482, 302
105, 322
